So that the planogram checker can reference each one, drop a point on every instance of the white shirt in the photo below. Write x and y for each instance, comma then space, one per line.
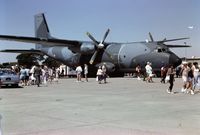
99, 72
148, 69
196, 72
79, 69
86, 70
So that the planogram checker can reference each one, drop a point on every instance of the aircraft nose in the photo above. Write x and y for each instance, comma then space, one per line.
174, 60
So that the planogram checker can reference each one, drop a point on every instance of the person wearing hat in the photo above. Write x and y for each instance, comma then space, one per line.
184, 63
99, 74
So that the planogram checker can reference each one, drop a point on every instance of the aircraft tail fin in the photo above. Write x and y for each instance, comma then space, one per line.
41, 28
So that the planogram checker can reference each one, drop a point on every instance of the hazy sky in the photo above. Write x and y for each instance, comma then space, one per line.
129, 20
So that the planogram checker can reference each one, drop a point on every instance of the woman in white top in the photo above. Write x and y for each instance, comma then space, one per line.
78, 73
45, 75
196, 74
185, 69
86, 72
149, 72
104, 75
99, 74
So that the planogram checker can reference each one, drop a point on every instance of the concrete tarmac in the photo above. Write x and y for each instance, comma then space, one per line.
123, 106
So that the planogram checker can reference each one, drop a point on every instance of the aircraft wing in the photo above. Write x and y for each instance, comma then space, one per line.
21, 51
43, 41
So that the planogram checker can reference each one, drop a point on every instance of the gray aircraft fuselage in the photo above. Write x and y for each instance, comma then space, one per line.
124, 56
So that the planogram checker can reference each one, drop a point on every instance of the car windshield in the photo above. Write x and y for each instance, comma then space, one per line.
7, 72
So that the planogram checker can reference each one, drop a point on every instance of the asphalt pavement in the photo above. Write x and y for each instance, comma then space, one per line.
123, 106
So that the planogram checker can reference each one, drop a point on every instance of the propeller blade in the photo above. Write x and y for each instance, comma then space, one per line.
99, 45
151, 37
92, 38
93, 57
106, 34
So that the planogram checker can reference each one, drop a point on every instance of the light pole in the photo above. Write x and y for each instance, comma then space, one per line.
190, 28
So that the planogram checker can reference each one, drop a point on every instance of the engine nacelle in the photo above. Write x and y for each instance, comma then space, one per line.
87, 48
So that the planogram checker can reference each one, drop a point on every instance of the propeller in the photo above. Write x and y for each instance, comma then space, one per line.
99, 45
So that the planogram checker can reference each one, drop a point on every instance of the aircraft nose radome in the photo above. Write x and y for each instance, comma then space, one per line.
174, 60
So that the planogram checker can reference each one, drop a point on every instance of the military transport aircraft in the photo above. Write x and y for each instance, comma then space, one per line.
118, 57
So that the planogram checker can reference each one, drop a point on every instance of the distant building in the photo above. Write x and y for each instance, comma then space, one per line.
192, 59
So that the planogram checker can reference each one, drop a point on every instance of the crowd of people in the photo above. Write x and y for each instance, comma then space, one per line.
190, 73
36, 75
190, 76
101, 74
41, 74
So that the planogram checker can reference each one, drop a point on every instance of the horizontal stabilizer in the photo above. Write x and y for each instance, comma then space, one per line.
177, 46
21, 51
170, 40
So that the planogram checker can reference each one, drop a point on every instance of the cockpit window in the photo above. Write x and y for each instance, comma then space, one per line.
161, 50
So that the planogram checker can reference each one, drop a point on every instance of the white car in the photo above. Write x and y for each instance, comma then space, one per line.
9, 78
